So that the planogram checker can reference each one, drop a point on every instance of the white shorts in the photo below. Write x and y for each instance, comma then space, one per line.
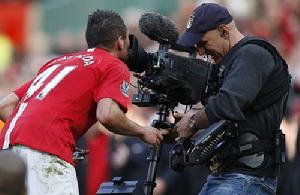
47, 174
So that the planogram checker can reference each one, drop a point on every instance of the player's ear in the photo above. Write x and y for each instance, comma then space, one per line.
120, 43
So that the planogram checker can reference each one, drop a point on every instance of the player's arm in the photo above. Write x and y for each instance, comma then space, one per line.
95, 130
7, 105
113, 118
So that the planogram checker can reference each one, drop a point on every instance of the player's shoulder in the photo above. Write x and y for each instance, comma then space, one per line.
84, 58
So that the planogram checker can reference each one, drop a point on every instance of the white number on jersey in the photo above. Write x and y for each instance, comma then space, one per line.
40, 79
38, 82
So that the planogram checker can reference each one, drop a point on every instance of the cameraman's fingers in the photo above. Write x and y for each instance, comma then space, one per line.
177, 139
158, 143
179, 115
159, 135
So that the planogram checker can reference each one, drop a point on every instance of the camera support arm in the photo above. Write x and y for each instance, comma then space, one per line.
202, 148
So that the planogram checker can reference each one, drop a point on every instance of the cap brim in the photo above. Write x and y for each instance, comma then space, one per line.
188, 39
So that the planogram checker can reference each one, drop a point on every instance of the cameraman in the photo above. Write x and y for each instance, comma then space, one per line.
46, 116
253, 93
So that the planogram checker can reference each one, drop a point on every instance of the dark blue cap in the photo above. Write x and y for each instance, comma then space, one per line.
207, 16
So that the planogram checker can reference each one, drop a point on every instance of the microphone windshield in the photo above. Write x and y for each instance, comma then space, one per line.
158, 27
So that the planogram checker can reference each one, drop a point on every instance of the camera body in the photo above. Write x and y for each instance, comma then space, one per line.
180, 79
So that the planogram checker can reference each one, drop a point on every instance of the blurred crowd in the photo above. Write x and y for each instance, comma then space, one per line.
24, 47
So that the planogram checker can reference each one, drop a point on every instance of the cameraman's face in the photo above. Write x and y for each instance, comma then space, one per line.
214, 45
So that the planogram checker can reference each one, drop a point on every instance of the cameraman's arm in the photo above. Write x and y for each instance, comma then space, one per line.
113, 118
201, 120
184, 126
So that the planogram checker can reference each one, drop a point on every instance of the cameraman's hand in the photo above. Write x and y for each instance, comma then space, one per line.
182, 127
152, 135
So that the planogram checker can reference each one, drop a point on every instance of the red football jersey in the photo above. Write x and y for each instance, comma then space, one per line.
59, 104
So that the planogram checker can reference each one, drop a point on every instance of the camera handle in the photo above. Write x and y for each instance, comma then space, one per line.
155, 152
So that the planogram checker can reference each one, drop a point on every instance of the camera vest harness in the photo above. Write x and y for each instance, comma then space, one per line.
248, 144
279, 81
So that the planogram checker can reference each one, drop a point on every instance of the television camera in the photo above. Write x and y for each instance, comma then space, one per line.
176, 78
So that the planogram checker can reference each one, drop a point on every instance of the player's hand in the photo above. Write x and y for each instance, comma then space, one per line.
152, 135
